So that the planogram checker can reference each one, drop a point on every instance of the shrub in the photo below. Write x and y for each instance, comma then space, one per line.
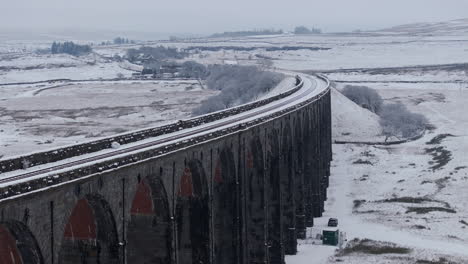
192, 69
155, 53
372, 247
238, 85
364, 96
396, 120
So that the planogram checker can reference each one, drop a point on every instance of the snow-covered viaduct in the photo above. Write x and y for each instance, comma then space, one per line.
242, 192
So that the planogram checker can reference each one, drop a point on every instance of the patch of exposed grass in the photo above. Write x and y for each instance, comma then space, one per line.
440, 261
364, 162
406, 199
372, 247
441, 183
358, 203
413, 200
425, 210
440, 157
438, 139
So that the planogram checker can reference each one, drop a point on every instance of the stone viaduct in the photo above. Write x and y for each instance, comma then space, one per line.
241, 195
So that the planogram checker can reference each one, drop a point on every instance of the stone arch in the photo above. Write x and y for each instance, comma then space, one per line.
149, 235
287, 177
192, 215
275, 227
256, 233
18, 245
90, 235
225, 209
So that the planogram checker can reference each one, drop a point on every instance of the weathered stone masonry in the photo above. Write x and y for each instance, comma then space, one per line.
244, 196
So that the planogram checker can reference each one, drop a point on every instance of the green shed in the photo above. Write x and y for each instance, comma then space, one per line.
330, 237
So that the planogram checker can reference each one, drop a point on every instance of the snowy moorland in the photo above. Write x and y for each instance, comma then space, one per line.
404, 203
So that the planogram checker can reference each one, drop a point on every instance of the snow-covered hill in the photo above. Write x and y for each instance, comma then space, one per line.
453, 27
353, 123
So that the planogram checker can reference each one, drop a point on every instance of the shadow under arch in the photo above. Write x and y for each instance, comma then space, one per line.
90, 235
287, 179
308, 168
256, 233
225, 209
149, 235
192, 216
299, 189
275, 227
18, 245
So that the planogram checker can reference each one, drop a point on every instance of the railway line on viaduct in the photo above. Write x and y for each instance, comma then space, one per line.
232, 187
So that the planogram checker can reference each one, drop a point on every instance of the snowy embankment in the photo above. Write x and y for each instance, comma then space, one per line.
350, 122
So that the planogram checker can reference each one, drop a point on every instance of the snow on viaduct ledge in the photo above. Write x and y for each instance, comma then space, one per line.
236, 186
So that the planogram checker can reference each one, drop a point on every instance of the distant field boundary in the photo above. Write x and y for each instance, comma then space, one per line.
97, 80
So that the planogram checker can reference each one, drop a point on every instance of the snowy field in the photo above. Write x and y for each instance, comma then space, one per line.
34, 118
406, 203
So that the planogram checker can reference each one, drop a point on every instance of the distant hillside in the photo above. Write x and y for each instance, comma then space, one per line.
459, 26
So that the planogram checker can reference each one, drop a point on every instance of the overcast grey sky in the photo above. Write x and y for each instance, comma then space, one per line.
207, 16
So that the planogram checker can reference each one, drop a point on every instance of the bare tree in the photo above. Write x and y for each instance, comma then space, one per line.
237, 85
397, 121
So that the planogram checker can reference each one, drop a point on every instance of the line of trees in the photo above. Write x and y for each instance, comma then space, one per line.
120, 40
364, 96
302, 30
70, 48
246, 33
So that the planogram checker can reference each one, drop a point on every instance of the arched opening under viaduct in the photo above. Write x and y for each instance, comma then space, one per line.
299, 189
90, 234
308, 169
149, 230
225, 209
288, 208
256, 203
192, 216
18, 245
275, 228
